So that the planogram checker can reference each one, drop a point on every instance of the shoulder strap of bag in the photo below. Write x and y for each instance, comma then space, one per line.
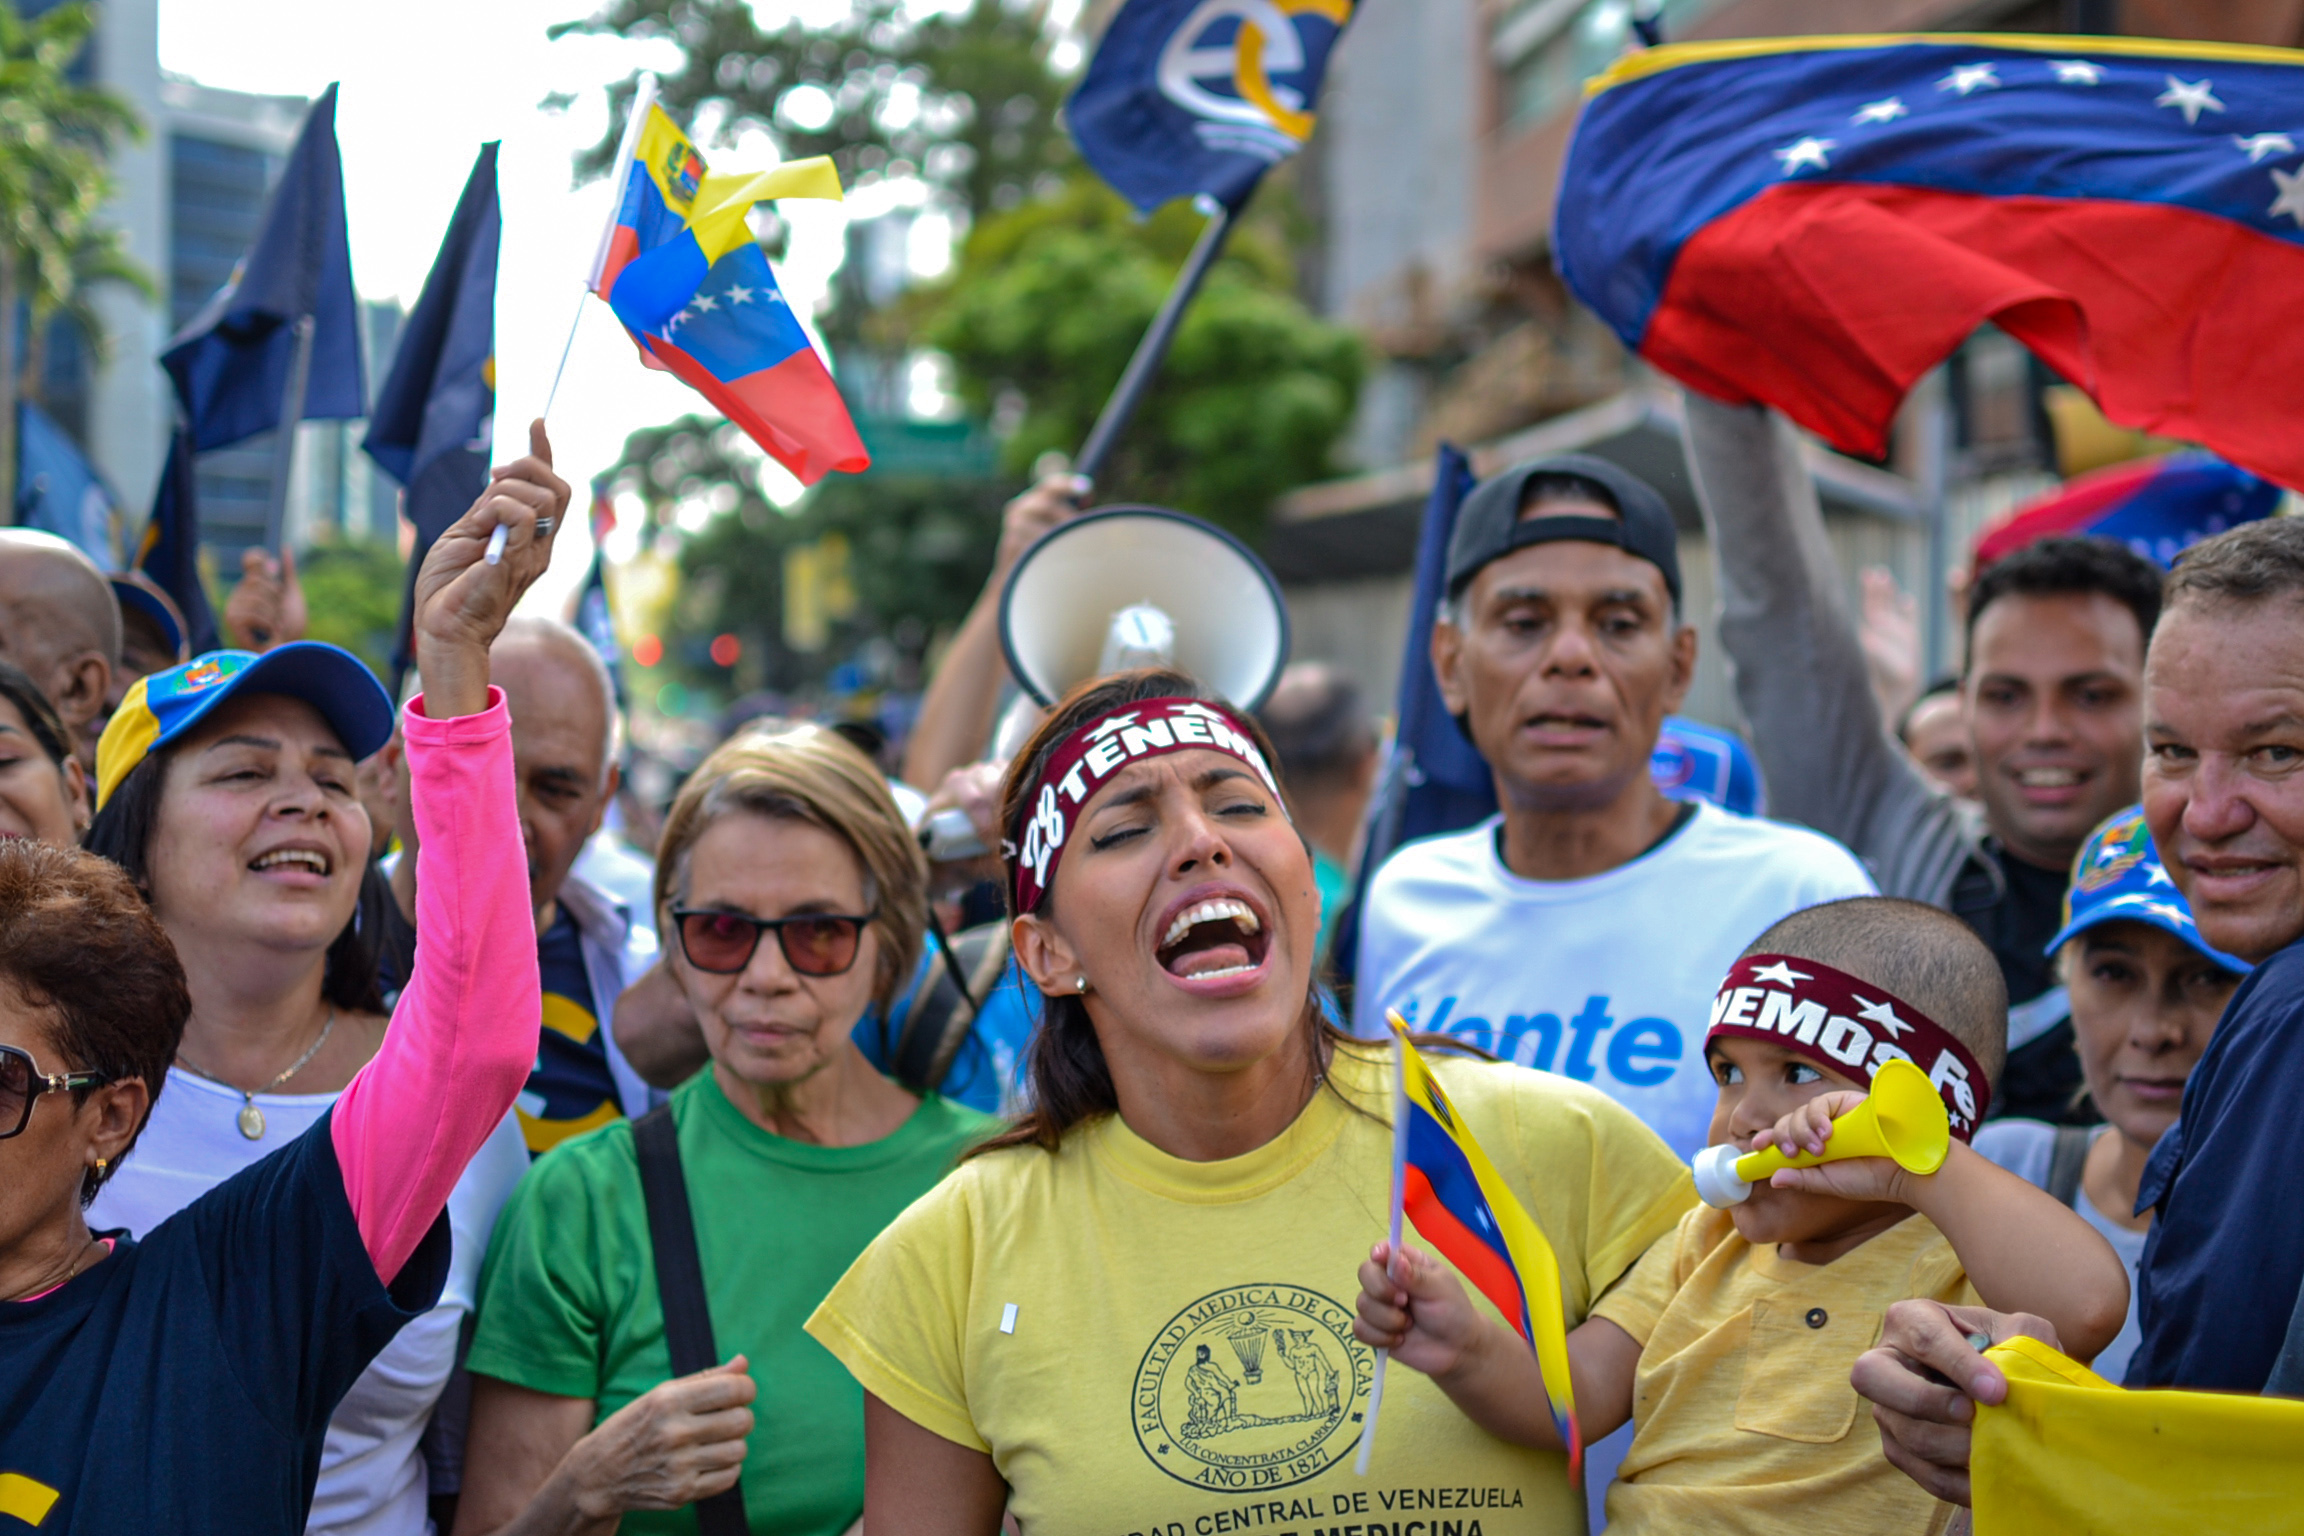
2066, 1162
680, 1285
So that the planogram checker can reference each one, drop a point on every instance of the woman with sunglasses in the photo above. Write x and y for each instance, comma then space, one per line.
794, 898
182, 1378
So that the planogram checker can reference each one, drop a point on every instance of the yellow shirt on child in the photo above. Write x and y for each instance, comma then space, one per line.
1745, 1419
1147, 1345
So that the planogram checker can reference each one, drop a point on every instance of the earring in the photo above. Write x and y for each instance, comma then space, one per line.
1080, 985
101, 1164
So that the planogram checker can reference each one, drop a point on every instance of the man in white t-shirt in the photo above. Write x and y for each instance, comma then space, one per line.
1585, 929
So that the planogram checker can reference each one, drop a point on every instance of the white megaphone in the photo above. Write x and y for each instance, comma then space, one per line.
1143, 587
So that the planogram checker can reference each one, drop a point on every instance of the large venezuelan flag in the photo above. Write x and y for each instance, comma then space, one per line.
683, 273
1816, 222
1464, 1209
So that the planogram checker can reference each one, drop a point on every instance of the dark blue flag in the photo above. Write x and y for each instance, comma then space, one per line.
169, 551
1202, 96
441, 392
1434, 781
58, 491
231, 363
433, 415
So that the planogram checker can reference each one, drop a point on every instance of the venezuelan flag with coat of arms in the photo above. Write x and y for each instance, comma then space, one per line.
682, 271
1464, 1209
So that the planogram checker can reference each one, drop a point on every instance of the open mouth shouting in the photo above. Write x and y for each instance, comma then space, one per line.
1214, 937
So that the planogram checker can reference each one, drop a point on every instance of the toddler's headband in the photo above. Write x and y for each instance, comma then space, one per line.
1847, 1026
1097, 750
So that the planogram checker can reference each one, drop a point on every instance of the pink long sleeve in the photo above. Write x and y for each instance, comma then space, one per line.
464, 1035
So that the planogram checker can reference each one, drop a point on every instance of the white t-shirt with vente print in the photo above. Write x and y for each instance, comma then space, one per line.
1608, 980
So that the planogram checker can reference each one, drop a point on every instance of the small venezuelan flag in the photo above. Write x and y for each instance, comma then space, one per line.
1464, 1209
682, 271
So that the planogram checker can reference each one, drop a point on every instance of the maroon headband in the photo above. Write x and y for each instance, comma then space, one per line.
1124, 734
1847, 1026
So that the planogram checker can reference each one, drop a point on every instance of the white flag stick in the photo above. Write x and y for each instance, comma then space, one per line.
1399, 1195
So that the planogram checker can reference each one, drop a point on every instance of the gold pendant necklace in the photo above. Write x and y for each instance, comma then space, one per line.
251, 1118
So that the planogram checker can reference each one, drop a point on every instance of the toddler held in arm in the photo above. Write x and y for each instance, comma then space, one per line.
1730, 1342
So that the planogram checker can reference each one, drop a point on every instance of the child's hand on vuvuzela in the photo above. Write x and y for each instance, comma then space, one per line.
1807, 1128
1413, 1306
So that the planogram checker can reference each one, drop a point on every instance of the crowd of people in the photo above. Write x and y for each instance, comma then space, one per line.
398, 1146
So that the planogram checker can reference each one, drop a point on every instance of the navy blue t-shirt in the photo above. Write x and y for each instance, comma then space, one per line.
571, 1089
184, 1384
2220, 1271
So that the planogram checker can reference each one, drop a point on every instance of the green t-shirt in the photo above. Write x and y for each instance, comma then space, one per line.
568, 1301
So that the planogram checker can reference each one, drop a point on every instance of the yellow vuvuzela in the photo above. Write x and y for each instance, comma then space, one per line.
1901, 1118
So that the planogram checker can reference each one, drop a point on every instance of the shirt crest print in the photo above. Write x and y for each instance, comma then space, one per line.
1253, 1387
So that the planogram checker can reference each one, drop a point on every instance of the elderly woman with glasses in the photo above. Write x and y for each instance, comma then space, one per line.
794, 898
183, 1378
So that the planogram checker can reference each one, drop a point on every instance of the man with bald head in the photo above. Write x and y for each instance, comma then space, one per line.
589, 945
60, 623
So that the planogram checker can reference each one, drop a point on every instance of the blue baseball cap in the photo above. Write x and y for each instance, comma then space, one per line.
2118, 877
133, 589
161, 706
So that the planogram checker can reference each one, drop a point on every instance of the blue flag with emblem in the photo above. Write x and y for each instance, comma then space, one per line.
1201, 97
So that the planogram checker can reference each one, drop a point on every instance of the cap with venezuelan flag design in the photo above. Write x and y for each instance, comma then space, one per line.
162, 706
2118, 877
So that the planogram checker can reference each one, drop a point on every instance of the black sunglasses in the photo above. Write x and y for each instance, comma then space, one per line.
21, 1083
815, 943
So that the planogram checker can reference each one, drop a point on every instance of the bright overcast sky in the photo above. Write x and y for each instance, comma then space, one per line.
425, 82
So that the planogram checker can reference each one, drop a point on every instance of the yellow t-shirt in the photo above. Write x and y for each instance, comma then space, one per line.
1745, 1417
1148, 1345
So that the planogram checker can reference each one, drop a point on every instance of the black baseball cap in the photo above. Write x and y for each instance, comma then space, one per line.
1490, 526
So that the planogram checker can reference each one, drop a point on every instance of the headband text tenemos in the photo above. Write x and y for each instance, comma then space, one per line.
1848, 1026
1099, 749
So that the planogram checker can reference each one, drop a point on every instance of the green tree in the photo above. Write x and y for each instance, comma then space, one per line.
55, 137
352, 588
965, 98
1048, 302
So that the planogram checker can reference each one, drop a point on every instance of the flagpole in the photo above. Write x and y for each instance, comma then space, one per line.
1399, 1201
574, 325
284, 441
1153, 349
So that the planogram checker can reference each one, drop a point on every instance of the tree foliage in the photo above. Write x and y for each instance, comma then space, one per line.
965, 99
352, 590
1048, 302
919, 549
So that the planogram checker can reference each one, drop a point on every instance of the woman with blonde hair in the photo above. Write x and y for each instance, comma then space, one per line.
793, 897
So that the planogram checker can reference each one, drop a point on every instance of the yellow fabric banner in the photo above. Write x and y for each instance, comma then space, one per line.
2071, 1453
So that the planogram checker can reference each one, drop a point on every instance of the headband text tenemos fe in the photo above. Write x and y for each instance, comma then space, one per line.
1848, 1026
1099, 749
